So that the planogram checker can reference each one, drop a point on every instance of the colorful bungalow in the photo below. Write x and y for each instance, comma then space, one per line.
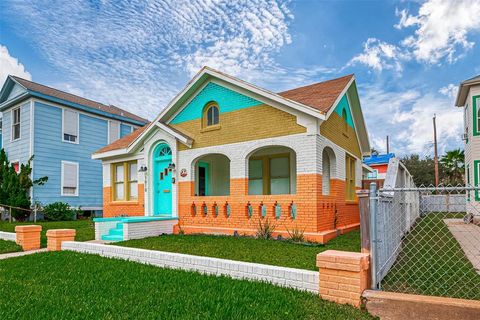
379, 166
225, 156
61, 130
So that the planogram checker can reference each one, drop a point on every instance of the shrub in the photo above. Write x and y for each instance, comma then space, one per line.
265, 230
59, 211
296, 235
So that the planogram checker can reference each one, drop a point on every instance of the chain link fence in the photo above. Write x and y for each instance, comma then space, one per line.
425, 240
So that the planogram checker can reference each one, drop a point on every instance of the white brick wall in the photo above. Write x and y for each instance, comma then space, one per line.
286, 277
102, 228
10, 236
139, 230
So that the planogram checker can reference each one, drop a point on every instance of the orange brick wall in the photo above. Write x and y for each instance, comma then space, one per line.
118, 208
315, 212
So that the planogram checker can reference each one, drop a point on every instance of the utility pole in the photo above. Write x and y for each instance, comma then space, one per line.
436, 150
388, 146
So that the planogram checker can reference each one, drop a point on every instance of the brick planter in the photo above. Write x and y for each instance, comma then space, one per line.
55, 237
343, 276
28, 237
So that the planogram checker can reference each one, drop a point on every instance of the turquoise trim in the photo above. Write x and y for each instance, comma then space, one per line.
228, 210
249, 210
162, 180
278, 211
343, 104
227, 100
293, 211
264, 210
134, 219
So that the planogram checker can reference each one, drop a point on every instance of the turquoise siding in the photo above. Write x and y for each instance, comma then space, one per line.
18, 150
125, 129
228, 100
50, 151
343, 104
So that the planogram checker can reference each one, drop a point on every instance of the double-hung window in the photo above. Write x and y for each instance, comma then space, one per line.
70, 126
16, 123
113, 131
269, 174
125, 181
70, 178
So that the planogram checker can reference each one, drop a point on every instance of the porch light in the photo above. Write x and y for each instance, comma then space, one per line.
171, 166
142, 169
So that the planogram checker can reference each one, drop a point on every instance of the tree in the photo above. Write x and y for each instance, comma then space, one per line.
453, 163
15, 187
422, 170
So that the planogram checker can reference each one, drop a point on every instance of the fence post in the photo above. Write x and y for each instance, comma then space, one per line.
373, 233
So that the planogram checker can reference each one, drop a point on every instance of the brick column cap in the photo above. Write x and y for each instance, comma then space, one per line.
29, 228
61, 232
343, 260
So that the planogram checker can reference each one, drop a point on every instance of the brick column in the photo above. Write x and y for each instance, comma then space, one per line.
343, 276
55, 237
28, 237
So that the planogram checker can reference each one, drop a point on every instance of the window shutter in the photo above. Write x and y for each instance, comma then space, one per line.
70, 122
113, 131
70, 175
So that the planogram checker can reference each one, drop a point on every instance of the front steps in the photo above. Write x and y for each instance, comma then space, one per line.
114, 234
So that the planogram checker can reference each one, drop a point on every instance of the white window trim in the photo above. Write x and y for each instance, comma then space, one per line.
78, 127
119, 131
78, 179
11, 124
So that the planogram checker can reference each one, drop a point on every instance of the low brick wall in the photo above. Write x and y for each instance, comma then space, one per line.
28, 237
139, 230
55, 237
10, 236
102, 228
299, 279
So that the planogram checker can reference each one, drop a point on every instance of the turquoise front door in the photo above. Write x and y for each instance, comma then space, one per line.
162, 180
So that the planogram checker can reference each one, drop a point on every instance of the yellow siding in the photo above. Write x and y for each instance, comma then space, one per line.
252, 123
335, 130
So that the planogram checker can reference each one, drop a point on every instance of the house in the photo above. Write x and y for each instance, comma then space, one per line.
225, 155
468, 98
379, 165
61, 131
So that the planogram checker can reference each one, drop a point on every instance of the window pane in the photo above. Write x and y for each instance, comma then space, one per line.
119, 176
255, 169
215, 115
119, 194
70, 191
113, 131
132, 172
133, 191
16, 131
70, 123
280, 186
209, 116
70, 175
279, 168
255, 186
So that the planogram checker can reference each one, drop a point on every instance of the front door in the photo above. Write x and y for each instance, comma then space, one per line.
162, 180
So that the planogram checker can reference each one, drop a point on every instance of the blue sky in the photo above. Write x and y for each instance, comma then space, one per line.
408, 56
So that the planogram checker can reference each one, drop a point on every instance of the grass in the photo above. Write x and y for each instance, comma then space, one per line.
84, 228
272, 252
9, 246
433, 263
67, 285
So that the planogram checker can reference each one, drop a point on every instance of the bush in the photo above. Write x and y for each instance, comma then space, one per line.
265, 230
296, 235
59, 211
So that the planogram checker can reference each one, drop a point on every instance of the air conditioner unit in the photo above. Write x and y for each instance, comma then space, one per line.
464, 136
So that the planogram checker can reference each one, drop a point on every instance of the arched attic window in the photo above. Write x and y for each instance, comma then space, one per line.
211, 115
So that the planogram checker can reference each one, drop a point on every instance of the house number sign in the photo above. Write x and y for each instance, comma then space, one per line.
183, 173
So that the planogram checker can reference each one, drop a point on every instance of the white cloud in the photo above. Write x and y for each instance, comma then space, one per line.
449, 90
379, 55
407, 118
441, 30
11, 65
136, 55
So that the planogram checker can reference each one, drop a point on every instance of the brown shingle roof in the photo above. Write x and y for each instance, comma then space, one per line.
320, 96
37, 87
125, 141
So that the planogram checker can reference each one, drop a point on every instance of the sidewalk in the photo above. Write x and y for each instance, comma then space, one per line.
21, 253
468, 236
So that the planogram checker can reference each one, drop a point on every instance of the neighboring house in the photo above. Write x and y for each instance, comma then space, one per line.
468, 98
61, 130
379, 165
225, 154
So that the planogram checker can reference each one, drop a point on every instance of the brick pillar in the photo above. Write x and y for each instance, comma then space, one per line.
55, 237
28, 237
343, 276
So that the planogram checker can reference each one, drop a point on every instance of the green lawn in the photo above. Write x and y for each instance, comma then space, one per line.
85, 229
67, 285
433, 263
9, 246
273, 252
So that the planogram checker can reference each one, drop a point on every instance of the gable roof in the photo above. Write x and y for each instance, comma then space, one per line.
317, 100
321, 95
43, 91
378, 159
463, 88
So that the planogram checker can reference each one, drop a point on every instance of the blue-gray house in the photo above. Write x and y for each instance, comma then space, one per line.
62, 131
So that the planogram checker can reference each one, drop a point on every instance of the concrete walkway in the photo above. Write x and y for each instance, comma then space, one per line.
468, 236
21, 253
